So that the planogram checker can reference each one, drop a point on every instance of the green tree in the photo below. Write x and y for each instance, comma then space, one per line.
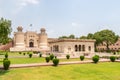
5, 30
71, 36
83, 37
107, 37
63, 37
90, 36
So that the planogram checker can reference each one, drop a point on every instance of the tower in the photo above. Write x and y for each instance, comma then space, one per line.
19, 38
43, 44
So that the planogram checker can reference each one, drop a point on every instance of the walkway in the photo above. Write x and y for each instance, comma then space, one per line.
50, 64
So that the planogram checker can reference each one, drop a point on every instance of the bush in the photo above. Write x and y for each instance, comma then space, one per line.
95, 58
51, 57
112, 58
6, 55
55, 61
5, 59
55, 56
47, 59
68, 56
114, 53
6, 64
20, 52
40, 55
23, 53
82, 58
30, 55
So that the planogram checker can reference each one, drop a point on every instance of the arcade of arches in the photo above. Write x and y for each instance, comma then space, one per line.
72, 46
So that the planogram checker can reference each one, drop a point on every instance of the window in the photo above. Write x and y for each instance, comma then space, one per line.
79, 47
83, 47
76, 48
89, 48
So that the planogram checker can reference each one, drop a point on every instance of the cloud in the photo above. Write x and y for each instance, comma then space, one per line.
20, 4
26, 2
75, 24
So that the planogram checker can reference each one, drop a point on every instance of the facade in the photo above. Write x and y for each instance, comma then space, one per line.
32, 41
72, 46
113, 47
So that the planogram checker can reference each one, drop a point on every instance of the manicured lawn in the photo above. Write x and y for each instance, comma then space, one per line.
26, 60
100, 71
35, 60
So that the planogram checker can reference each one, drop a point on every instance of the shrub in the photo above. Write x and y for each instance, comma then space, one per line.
68, 56
55, 61
51, 57
112, 58
30, 55
6, 55
20, 52
47, 59
23, 53
55, 56
6, 64
5, 59
95, 58
114, 53
40, 55
82, 58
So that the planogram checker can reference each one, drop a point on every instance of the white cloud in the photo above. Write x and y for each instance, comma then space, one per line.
31, 1
26, 2
20, 4
75, 24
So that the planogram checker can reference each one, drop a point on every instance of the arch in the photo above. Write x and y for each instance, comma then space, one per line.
76, 49
31, 44
79, 47
83, 47
89, 48
31, 40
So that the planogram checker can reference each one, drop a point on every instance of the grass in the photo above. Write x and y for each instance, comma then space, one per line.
35, 60
100, 71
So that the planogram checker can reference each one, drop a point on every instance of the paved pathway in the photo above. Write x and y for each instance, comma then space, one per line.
50, 64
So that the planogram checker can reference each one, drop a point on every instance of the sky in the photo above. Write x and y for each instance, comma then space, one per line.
62, 17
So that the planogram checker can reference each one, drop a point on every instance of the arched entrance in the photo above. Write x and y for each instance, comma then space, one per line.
31, 44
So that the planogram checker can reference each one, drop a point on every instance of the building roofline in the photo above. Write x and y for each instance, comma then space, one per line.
72, 40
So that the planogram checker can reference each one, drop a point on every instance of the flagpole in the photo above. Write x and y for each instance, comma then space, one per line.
30, 27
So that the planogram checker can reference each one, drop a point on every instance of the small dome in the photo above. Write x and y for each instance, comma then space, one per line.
20, 28
42, 29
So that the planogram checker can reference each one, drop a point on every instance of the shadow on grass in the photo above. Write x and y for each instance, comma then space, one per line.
3, 72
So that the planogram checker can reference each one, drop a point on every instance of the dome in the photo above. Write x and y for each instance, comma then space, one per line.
20, 28
42, 29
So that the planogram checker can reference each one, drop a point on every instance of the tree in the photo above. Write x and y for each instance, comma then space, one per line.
63, 37
83, 37
107, 37
5, 30
71, 36
67, 37
90, 36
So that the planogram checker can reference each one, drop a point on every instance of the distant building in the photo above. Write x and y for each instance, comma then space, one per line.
112, 47
72, 46
32, 41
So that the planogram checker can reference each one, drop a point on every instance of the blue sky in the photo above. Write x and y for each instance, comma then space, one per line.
63, 17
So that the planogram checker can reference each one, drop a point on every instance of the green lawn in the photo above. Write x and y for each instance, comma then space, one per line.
35, 60
100, 71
